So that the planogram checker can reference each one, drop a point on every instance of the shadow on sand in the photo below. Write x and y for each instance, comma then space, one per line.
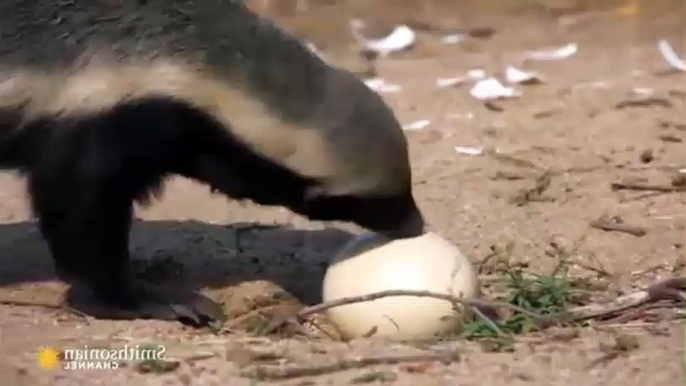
210, 256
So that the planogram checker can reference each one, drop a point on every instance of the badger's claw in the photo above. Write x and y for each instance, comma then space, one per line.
146, 301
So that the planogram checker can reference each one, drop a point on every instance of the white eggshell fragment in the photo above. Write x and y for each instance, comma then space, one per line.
371, 264
491, 89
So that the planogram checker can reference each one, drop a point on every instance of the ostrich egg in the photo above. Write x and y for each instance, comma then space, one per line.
371, 263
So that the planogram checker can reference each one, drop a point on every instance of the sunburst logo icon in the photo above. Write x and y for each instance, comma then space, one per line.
48, 358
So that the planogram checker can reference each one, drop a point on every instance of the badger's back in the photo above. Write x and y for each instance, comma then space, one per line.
78, 58
66, 60
208, 38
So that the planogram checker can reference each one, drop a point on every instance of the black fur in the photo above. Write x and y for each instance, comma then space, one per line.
87, 168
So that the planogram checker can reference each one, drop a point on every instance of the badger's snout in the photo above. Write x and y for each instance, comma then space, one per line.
412, 226
392, 216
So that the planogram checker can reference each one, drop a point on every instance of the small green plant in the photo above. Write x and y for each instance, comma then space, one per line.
540, 294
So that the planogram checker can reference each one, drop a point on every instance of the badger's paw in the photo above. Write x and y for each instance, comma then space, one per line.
139, 300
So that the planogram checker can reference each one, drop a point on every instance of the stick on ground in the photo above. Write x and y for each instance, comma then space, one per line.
647, 187
605, 224
282, 373
670, 289
474, 304
47, 305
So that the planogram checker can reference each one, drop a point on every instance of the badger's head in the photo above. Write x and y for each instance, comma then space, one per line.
362, 171
321, 144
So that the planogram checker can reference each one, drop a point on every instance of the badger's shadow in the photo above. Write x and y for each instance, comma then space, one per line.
201, 255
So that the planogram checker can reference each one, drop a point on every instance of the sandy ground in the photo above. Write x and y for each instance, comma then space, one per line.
573, 126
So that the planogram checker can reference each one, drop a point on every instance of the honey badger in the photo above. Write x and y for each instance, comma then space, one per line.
100, 100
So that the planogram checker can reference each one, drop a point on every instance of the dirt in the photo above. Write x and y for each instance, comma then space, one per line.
576, 127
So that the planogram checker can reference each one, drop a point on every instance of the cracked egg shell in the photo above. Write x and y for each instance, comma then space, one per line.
370, 263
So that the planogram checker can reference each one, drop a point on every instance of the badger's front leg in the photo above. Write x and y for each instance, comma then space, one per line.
85, 218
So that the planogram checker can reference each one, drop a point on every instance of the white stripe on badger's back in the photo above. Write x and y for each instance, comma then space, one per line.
96, 85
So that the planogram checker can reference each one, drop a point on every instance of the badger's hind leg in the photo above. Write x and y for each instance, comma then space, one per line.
83, 189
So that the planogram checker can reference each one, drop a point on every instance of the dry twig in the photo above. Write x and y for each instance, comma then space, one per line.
473, 304
647, 187
51, 306
665, 290
603, 223
282, 373
669, 289
536, 192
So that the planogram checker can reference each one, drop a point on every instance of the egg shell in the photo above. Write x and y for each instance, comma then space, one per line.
371, 263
